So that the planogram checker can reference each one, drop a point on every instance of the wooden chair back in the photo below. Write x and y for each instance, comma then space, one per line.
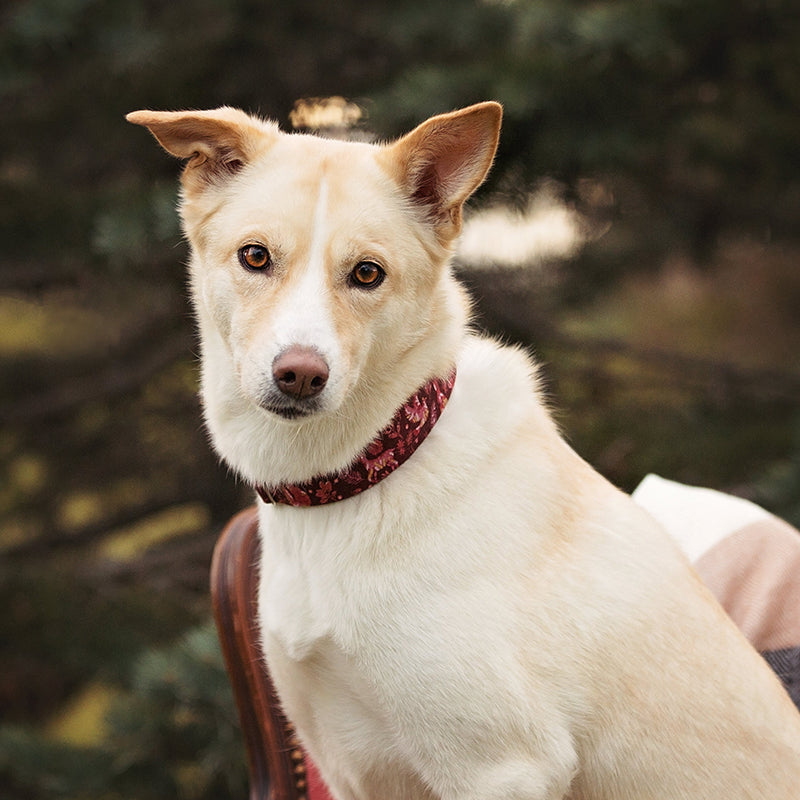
279, 769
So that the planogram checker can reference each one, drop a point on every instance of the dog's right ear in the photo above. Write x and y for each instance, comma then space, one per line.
217, 143
443, 160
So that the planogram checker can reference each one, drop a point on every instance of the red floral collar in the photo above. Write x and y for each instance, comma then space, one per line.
391, 448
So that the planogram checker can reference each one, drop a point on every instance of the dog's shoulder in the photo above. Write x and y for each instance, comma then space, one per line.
497, 404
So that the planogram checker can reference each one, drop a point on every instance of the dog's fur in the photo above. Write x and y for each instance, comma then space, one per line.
493, 620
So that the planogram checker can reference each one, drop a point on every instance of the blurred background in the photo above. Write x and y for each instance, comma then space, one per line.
640, 233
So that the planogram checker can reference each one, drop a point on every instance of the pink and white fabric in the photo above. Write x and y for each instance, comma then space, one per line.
749, 558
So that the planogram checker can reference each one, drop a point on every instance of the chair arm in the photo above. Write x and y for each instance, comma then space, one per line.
277, 766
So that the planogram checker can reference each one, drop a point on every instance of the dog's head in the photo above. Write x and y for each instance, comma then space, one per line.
320, 267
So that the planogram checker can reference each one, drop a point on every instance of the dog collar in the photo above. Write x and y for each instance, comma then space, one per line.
393, 446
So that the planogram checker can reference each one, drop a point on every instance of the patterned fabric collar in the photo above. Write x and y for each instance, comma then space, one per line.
391, 448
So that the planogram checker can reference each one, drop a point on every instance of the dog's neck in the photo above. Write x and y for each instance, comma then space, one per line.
409, 427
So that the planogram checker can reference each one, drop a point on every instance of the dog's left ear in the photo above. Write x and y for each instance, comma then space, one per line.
444, 160
217, 143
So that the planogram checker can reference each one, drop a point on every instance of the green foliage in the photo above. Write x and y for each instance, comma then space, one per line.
179, 723
778, 487
56, 632
693, 102
32, 768
173, 734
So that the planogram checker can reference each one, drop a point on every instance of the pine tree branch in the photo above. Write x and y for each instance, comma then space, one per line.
58, 539
120, 376
763, 384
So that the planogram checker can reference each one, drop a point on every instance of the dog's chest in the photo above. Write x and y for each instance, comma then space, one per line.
293, 608
318, 615
326, 637
359, 650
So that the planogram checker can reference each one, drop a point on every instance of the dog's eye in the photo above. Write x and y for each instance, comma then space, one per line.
255, 257
367, 275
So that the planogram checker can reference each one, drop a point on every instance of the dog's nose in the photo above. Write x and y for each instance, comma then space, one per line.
300, 372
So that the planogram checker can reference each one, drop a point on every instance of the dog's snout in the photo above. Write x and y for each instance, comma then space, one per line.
300, 372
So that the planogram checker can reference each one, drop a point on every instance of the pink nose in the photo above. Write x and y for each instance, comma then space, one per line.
300, 372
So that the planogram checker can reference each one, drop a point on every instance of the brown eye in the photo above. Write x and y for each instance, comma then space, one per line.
254, 257
367, 275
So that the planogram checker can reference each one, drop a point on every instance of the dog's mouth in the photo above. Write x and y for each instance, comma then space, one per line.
290, 410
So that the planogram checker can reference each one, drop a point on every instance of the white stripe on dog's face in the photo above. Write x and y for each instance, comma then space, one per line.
304, 315
302, 319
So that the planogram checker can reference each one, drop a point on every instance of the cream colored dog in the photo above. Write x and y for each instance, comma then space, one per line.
492, 620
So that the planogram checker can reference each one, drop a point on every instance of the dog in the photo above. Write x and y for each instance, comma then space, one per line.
453, 604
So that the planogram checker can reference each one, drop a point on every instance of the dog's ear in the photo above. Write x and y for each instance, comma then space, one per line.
217, 143
444, 160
